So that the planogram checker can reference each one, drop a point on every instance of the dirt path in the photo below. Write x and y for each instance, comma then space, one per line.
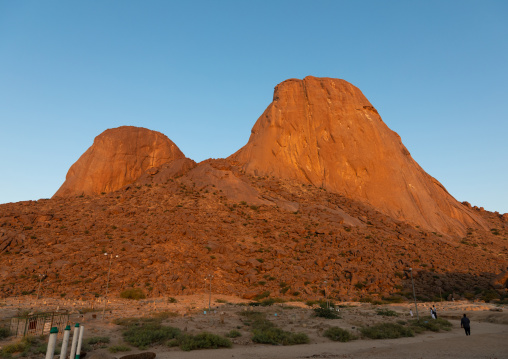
487, 341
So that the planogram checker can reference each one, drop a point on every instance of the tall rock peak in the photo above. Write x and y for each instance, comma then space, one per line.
325, 132
118, 157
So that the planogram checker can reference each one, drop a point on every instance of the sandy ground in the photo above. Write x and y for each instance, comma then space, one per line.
491, 341
489, 327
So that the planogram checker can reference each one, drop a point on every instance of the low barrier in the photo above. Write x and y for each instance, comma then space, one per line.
39, 324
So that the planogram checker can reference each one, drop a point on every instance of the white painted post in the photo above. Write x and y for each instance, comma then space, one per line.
80, 340
74, 341
50, 352
65, 342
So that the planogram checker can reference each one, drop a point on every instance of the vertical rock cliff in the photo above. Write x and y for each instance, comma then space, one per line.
325, 132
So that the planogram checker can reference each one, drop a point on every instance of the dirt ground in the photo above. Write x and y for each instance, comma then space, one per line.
489, 327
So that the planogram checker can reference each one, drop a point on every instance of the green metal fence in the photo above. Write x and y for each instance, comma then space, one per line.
39, 323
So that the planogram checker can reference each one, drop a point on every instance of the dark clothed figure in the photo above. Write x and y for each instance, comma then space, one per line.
464, 323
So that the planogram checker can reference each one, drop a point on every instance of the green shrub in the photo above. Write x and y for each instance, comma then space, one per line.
265, 332
42, 348
443, 323
386, 312
326, 313
172, 343
203, 341
269, 301
143, 335
172, 300
127, 322
386, 331
119, 348
260, 323
252, 315
13, 348
133, 293
233, 334
427, 323
338, 334
359, 285
262, 295
277, 336
4, 333
164, 315
26, 346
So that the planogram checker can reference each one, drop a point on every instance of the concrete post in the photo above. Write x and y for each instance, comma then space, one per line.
80, 341
74, 341
50, 352
65, 342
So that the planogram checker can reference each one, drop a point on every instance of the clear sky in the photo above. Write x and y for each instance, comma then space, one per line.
202, 72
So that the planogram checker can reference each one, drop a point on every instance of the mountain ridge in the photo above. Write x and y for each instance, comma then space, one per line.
261, 231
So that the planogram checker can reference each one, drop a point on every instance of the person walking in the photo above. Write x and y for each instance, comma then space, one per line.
411, 312
435, 311
464, 323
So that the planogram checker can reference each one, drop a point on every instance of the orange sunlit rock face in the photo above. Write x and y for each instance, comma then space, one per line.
323, 191
117, 157
325, 132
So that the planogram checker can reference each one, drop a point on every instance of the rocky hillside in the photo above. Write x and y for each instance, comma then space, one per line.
255, 234
323, 199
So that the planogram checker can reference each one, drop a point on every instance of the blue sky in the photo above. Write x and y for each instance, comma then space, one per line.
202, 72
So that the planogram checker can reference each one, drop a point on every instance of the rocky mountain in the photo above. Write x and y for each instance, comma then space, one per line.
324, 132
118, 157
258, 235
296, 213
